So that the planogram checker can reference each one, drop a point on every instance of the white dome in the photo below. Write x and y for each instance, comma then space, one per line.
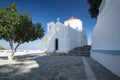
74, 23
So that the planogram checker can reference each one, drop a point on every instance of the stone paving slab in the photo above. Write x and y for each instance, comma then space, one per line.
34, 67
61, 68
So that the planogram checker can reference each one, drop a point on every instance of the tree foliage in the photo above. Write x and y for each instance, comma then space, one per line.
94, 7
18, 28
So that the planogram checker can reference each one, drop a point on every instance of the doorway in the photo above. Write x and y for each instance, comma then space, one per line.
56, 44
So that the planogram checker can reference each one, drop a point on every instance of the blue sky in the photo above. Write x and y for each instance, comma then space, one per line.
45, 11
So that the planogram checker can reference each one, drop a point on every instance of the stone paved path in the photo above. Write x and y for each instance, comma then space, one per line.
34, 67
89, 73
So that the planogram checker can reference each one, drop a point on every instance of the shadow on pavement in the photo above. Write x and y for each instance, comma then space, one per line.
35, 67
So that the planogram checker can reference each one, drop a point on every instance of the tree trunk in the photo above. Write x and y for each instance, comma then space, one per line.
10, 56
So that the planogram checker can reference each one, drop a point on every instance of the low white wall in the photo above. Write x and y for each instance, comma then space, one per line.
4, 53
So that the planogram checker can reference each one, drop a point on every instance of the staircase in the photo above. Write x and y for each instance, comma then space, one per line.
80, 51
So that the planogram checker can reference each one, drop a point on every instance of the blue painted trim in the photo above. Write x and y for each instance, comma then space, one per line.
113, 52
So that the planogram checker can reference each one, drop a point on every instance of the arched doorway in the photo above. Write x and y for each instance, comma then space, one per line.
56, 44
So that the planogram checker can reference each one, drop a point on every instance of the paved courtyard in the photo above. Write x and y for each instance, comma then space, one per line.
35, 67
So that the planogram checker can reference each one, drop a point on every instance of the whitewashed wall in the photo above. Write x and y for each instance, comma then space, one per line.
83, 36
73, 37
61, 36
106, 36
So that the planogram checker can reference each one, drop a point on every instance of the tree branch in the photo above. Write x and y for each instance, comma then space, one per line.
17, 46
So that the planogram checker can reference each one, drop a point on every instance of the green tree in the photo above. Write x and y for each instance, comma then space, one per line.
94, 7
18, 28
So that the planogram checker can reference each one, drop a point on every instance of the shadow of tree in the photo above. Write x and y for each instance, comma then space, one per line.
22, 65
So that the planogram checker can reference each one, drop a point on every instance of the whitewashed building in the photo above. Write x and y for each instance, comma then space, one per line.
64, 37
106, 36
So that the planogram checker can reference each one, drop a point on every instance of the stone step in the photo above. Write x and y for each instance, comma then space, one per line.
80, 51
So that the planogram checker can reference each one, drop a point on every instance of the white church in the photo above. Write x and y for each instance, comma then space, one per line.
64, 37
106, 37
